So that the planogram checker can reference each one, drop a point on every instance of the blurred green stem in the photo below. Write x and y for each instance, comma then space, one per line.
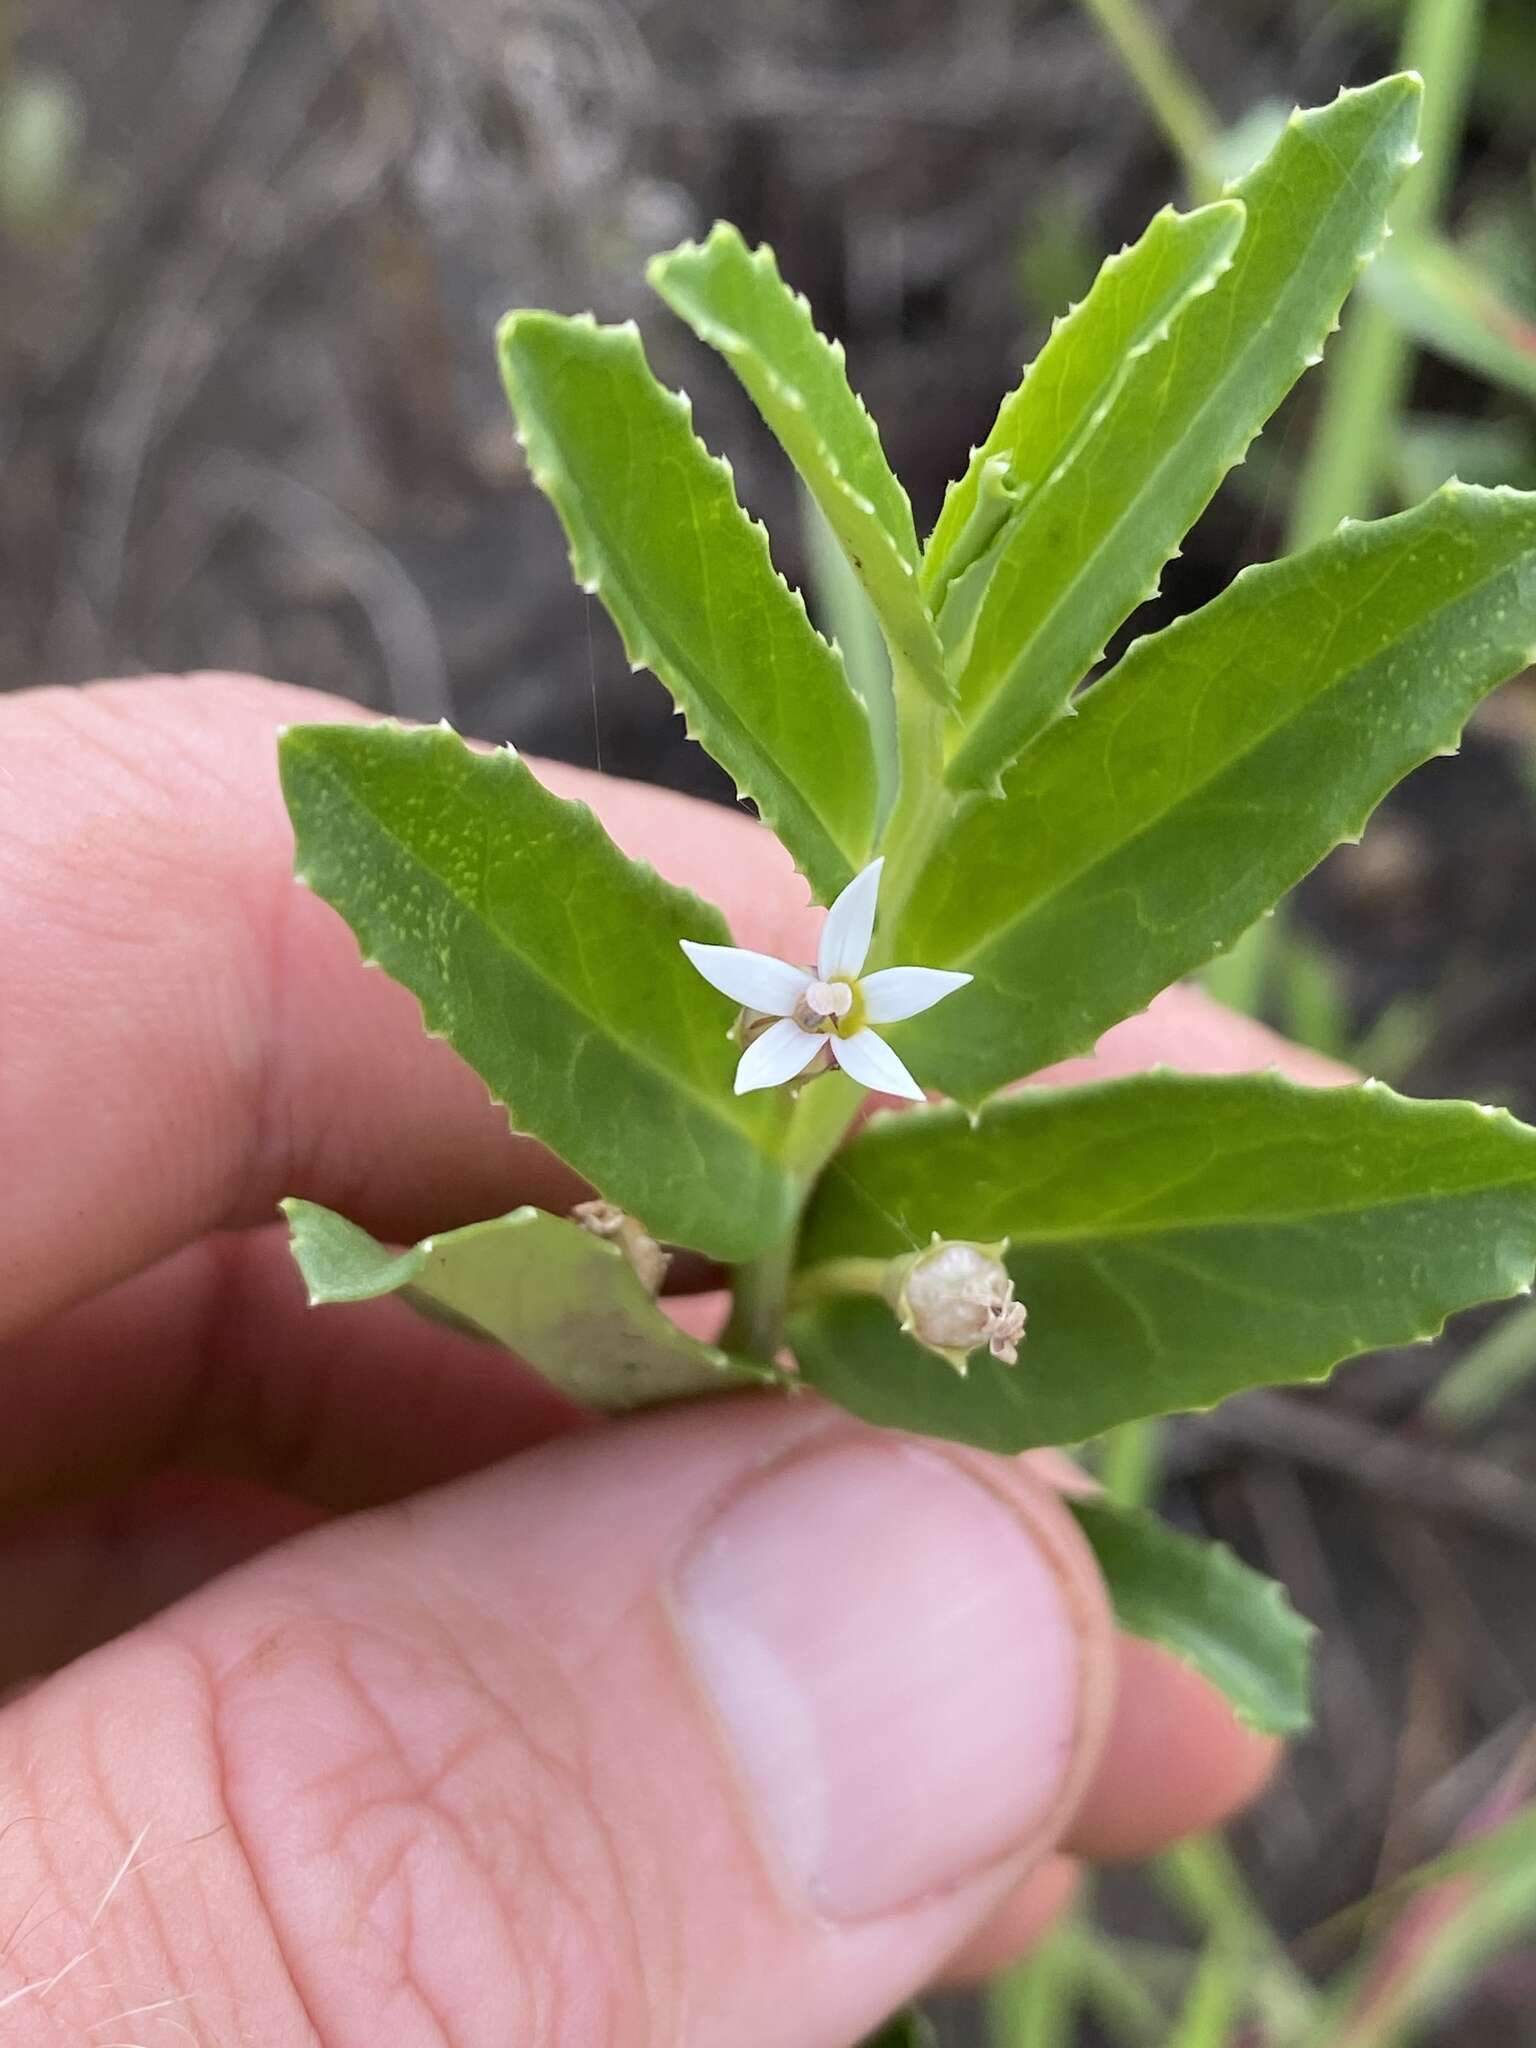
1485, 1376
1366, 381
824, 1109
1035, 2004
1128, 1460
1202, 1880
1074, 1970
1182, 110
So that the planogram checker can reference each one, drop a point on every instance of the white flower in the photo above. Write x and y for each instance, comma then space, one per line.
832, 1007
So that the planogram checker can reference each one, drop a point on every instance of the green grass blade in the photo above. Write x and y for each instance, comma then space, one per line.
1367, 377
1435, 294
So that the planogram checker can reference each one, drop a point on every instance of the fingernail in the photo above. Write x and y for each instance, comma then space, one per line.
894, 1662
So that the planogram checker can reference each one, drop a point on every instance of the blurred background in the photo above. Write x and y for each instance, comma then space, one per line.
252, 255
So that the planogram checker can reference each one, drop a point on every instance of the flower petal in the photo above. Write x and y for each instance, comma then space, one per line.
870, 1061
850, 925
783, 1051
755, 980
898, 992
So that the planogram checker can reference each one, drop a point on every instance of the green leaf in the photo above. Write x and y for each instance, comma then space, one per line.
843, 612
1201, 779
1066, 393
1090, 542
734, 298
1233, 1626
568, 1303
1445, 302
550, 963
656, 532
1175, 1238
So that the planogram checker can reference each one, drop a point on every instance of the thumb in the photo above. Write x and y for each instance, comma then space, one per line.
724, 1726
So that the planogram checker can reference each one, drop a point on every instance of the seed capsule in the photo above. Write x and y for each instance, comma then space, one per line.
956, 1297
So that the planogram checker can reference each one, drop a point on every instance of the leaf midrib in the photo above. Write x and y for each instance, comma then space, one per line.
721, 334
713, 701
1093, 413
899, 576
641, 1057
1229, 763
1098, 1237
1175, 446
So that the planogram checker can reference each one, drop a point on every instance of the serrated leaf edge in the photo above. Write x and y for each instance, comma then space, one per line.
1116, 383
1451, 491
413, 1260
1257, 1588
964, 772
709, 915
731, 343
927, 661
642, 652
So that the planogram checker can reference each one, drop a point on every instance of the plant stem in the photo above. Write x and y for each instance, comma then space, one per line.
758, 1293
1127, 1468
923, 805
828, 1105
841, 1276
1368, 373
1075, 1969
824, 1109
1035, 2004
1202, 1880
1181, 109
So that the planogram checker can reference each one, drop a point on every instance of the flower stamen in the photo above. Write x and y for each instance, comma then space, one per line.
797, 1020
822, 1005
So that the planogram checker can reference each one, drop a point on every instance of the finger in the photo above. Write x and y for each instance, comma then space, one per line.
1019, 1924
1175, 1747
725, 1725
214, 1358
188, 1036
1183, 1028
1176, 1760
77, 1576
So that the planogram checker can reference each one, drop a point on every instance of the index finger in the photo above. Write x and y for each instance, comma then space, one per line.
186, 1037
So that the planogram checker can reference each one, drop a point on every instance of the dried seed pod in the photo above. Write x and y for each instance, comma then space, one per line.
604, 1220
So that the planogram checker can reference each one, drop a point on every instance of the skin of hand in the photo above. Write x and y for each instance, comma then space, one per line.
357, 1688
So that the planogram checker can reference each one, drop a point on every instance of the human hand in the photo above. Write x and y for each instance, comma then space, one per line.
396, 1701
